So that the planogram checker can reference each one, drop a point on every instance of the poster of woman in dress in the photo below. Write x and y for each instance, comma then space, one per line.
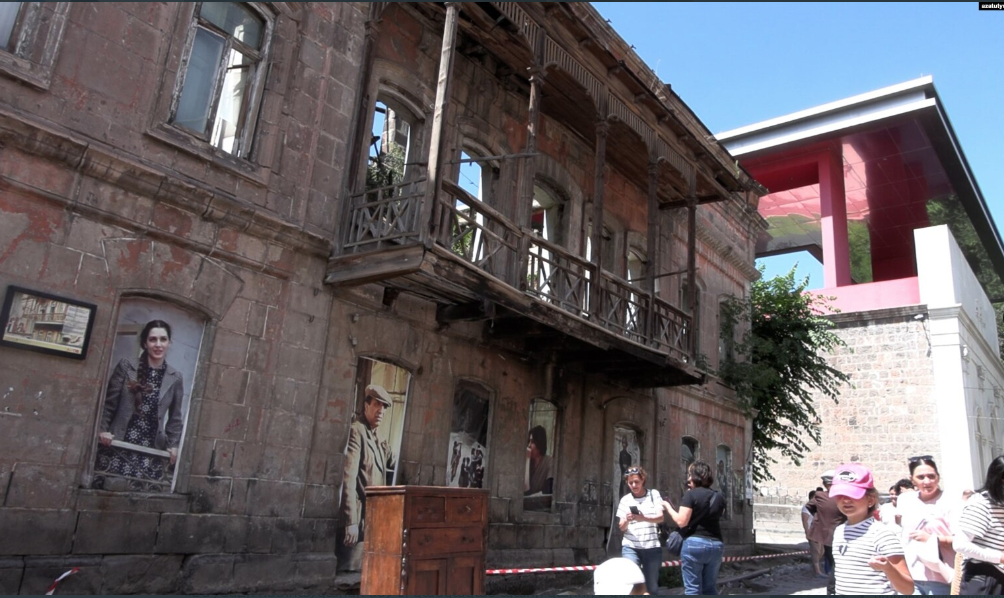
141, 425
371, 452
467, 455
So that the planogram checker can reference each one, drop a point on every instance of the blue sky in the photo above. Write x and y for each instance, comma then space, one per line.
737, 64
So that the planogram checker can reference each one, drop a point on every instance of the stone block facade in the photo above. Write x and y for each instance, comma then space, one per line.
103, 200
883, 416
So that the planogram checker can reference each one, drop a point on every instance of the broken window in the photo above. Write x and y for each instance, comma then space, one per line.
388, 148
223, 76
541, 451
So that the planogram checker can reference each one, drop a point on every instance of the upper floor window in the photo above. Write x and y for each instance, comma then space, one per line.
9, 12
30, 37
223, 76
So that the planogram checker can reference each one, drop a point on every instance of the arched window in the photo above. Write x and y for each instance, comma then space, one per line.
541, 456
689, 452
726, 334
132, 453
723, 476
627, 449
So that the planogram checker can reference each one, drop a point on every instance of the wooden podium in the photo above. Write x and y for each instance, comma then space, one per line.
424, 540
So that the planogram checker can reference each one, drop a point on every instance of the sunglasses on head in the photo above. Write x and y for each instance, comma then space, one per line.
632, 471
921, 458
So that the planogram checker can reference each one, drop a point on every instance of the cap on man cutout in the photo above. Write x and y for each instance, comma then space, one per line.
851, 480
616, 576
375, 391
828, 475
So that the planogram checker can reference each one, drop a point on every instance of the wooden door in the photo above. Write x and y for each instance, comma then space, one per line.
428, 576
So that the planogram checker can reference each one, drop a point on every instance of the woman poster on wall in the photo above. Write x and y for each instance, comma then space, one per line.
467, 455
141, 425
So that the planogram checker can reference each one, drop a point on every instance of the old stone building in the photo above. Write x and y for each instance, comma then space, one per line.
491, 218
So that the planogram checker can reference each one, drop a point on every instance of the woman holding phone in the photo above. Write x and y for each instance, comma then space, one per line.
639, 514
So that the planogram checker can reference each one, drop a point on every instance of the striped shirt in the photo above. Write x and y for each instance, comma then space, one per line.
855, 545
641, 534
984, 523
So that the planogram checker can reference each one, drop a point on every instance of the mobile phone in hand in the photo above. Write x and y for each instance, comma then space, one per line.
635, 511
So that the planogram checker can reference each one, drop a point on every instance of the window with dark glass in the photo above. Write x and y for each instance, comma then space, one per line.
9, 12
220, 89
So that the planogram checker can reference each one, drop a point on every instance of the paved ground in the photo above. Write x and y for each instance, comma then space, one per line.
781, 576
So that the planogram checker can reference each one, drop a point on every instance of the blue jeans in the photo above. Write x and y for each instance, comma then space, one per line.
648, 560
931, 588
701, 558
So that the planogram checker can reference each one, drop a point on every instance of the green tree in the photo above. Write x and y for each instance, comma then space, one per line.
779, 366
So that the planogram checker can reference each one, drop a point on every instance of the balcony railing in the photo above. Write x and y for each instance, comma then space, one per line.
623, 308
477, 233
385, 216
556, 276
488, 240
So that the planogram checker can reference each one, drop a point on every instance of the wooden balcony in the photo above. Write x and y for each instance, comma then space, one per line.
535, 296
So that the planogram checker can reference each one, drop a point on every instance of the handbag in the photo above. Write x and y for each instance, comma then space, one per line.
674, 544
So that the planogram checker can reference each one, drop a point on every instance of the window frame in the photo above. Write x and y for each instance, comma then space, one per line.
245, 146
32, 50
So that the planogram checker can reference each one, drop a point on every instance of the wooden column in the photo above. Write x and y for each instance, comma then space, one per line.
430, 206
527, 175
599, 181
692, 271
652, 249
357, 144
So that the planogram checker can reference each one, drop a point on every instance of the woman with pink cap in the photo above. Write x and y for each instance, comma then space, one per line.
868, 556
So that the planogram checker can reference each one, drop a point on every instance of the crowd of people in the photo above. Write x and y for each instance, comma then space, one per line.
923, 541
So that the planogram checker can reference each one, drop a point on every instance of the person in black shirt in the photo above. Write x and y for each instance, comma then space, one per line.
698, 518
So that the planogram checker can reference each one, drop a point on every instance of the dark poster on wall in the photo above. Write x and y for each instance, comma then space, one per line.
468, 447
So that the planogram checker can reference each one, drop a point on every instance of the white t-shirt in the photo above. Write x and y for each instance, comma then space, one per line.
853, 547
641, 534
982, 525
916, 514
805, 511
887, 514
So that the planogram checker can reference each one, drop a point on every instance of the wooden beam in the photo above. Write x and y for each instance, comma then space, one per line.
465, 312
704, 199
437, 144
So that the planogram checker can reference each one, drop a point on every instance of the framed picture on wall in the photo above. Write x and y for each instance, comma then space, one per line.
46, 323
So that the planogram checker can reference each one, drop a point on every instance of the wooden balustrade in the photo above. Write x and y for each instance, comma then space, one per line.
384, 216
488, 240
623, 308
477, 233
556, 276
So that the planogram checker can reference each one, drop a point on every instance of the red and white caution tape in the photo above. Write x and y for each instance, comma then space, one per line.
52, 588
728, 559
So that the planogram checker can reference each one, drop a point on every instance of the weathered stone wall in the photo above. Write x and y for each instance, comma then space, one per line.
101, 203
884, 415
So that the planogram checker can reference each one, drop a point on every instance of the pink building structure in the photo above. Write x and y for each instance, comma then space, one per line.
878, 189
